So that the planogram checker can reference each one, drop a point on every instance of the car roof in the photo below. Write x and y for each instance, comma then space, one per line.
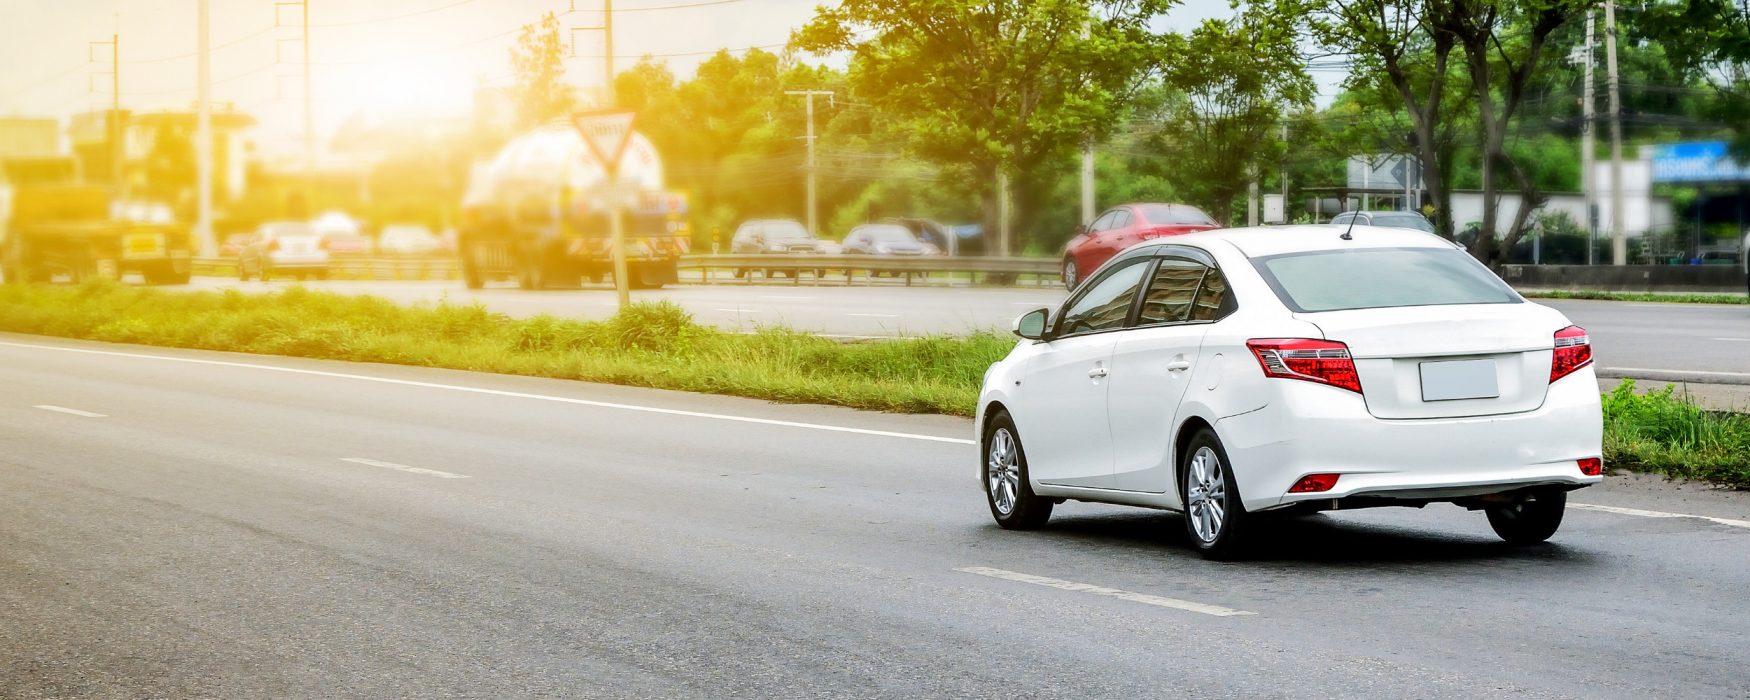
1276, 240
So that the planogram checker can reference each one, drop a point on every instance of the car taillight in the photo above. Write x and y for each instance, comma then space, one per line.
1321, 361
1573, 351
1592, 466
1315, 483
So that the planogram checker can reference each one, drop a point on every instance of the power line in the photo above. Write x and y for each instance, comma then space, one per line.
181, 56
686, 6
393, 18
45, 81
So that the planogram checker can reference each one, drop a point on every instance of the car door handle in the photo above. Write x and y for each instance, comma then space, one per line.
1097, 372
1178, 365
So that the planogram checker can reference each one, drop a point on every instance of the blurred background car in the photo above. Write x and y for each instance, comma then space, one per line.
283, 248
885, 239
1123, 226
774, 236
953, 239
1394, 219
408, 239
234, 244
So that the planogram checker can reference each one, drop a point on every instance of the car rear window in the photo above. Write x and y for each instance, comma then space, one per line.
1175, 215
1376, 278
1410, 221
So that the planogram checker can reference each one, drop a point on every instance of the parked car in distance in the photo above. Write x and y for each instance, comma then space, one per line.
407, 239
885, 239
1123, 226
1234, 373
346, 244
283, 248
234, 243
1395, 219
964, 239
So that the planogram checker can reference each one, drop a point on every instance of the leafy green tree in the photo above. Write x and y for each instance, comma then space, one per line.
1229, 87
541, 93
993, 86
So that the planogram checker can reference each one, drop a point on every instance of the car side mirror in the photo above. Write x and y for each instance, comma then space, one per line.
1032, 325
1082, 230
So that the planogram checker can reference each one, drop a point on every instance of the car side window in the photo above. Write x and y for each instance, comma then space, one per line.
1342, 218
1104, 222
1215, 301
1172, 292
1105, 304
1121, 220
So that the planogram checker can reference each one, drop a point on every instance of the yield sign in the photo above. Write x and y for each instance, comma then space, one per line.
606, 133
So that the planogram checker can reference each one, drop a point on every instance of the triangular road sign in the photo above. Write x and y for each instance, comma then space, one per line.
607, 134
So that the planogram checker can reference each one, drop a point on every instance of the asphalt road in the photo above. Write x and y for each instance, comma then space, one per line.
217, 525
1674, 342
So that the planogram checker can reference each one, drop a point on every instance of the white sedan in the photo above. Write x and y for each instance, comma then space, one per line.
1229, 374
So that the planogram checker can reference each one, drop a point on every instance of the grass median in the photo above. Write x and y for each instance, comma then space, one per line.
1643, 297
658, 345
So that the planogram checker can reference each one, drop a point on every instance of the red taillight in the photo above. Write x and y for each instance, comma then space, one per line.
1573, 351
1592, 466
1315, 483
1321, 361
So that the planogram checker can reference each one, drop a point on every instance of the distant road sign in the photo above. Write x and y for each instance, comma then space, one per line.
607, 133
1696, 161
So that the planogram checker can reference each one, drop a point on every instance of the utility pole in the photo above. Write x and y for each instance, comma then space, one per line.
1618, 235
112, 122
1252, 198
203, 139
309, 98
1088, 203
1588, 149
813, 213
607, 29
1002, 212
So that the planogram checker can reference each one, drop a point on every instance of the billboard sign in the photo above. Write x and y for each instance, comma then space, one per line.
1696, 161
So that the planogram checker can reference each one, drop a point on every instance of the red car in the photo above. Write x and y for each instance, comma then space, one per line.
1123, 226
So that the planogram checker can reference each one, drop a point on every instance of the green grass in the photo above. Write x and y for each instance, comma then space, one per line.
1662, 431
1642, 297
658, 345
652, 345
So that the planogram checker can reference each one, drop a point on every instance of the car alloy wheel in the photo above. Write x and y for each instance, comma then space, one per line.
1069, 275
1012, 502
1003, 472
1206, 496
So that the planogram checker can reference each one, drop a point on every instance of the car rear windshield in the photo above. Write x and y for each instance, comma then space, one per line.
1376, 278
786, 231
1175, 215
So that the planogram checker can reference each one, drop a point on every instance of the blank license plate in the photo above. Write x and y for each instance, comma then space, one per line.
1459, 379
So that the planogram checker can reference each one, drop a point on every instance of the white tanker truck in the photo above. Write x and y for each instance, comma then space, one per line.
538, 213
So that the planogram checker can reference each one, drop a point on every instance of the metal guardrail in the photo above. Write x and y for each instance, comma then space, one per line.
721, 269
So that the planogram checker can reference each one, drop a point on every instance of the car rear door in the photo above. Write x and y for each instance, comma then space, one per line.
1152, 366
1063, 399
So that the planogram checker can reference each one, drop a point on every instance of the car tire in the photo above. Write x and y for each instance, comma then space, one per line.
262, 273
1006, 487
1216, 521
321, 275
1529, 521
1070, 277
242, 272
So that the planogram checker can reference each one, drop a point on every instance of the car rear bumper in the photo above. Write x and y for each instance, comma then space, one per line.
287, 261
1314, 429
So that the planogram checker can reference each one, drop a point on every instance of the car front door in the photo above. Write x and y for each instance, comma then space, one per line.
1152, 370
1063, 416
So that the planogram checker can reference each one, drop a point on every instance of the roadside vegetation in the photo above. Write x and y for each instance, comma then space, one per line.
1642, 297
658, 345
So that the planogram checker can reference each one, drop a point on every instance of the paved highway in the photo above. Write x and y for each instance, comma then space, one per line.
189, 524
1693, 342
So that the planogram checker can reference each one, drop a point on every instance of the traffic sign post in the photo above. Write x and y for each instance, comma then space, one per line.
607, 133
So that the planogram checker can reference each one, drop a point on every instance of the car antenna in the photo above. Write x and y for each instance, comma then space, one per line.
1346, 232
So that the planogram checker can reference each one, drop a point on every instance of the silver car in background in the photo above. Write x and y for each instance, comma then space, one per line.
284, 248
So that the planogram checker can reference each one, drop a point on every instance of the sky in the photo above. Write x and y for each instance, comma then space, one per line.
379, 58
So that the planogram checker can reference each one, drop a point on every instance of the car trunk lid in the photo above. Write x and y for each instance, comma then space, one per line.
1446, 361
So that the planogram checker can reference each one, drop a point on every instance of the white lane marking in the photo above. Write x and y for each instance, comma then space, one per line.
1733, 340
509, 394
1658, 514
740, 311
875, 315
775, 296
70, 411
1678, 371
403, 467
1144, 598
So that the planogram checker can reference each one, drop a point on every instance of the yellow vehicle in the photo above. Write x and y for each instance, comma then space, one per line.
52, 225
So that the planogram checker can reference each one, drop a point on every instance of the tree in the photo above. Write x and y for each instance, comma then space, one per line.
1228, 90
538, 58
993, 86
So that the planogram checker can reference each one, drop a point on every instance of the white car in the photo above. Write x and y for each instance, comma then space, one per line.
408, 239
283, 248
1226, 374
